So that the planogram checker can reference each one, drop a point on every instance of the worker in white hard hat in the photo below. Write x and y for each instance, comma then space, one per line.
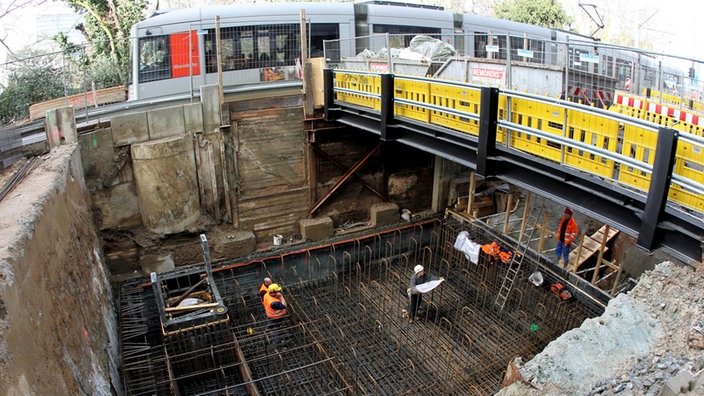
419, 276
264, 288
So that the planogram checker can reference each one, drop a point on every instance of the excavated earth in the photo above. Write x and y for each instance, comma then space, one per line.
649, 341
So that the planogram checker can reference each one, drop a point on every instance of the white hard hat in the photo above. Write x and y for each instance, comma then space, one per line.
418, 268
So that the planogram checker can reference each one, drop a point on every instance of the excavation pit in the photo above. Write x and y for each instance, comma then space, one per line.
345, 332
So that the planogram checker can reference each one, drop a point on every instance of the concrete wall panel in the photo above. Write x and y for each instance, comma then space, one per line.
97, 157
129, 128
209, 98
116, 207
165, 176
193, 115
166, 122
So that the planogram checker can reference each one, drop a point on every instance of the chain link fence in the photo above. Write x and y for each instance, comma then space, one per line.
33, 83
582, 71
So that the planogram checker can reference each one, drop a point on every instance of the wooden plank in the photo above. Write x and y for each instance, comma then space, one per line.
79, 101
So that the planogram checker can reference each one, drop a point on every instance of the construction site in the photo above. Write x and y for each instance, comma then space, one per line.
132, 252
344, 332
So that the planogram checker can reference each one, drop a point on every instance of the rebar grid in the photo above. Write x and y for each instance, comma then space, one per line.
345, 334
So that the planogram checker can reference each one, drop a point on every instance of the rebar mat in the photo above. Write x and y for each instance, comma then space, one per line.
345, 333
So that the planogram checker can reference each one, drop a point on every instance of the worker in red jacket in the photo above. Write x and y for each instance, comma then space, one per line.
566, 233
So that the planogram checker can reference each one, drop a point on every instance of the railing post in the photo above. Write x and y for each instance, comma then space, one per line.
488, 113
328, 91
387, 105
663, 165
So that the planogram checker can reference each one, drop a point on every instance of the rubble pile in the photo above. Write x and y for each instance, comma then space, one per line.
648, 342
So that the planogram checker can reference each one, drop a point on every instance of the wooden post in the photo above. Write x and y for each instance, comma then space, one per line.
579, 254
542, 233
218, 48
618, 274
470, 198
601, 254
508, 213
525, 218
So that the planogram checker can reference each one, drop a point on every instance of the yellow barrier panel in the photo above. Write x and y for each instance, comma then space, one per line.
595, 131
689, 163
501, 114
418, 91
540, 116
639, 144
359, 82
458, 98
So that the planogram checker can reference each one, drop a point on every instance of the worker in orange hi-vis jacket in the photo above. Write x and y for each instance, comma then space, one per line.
264, 288
566, 233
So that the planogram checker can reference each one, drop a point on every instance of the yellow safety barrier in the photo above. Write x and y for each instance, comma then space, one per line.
359, 82
689, 163
595, 131
540, 116
418, 91
639, 144
581, 126
458, 98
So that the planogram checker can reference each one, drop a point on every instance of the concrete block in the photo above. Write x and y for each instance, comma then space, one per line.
129, 128
60, 127
116, 207
227, 245
678, 384
167, 187
210, 100
193, 115
166, 122
97, 154
158, 263
316, 229
384, 214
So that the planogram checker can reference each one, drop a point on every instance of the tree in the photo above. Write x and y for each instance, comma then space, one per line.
107, 26
30, 80
546, 13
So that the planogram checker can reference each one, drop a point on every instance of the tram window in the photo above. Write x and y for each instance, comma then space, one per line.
407, 31
320, 32
154, 59
250, 47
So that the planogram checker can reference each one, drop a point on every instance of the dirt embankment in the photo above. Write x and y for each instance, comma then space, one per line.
639, 345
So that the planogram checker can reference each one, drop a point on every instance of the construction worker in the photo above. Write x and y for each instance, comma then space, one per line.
566, 233
419, 277
275, 307
264, 288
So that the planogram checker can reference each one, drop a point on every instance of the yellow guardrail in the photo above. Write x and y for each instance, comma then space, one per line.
581, 126
365, 84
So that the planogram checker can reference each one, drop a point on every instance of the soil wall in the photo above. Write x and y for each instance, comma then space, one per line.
57, 323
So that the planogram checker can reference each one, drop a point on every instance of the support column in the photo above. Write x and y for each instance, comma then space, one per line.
328, 92
659, 186
487, 129
61, 127
387, 105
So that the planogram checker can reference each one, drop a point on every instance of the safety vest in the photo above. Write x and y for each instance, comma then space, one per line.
272, 313
492, 249
264, 289
570, 232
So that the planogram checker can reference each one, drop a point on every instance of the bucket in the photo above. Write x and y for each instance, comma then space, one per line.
278, 239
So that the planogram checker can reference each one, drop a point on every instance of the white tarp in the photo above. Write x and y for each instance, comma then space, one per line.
468, 247
428, 286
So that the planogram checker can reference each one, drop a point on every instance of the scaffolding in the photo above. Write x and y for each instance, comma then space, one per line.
344, 333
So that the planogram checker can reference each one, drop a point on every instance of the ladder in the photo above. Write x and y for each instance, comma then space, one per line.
514, 266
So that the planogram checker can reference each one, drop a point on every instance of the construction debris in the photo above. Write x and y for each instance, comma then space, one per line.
641, 345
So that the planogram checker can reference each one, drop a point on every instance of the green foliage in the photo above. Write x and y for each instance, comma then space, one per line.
32, 80
546, 13
107, 28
